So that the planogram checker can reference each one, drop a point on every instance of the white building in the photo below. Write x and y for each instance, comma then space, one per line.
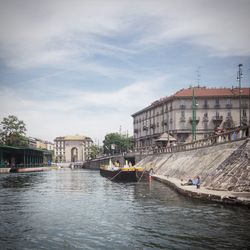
72, 148
208, 108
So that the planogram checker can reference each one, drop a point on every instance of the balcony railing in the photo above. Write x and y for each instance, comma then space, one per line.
244, 105
229, 105
197, 120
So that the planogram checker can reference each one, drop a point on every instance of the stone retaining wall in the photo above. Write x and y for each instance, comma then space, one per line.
221, 167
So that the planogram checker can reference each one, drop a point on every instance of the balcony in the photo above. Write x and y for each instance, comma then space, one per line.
229, 105
136, 131
182, 106
217, 106
205, 106
244, 105
197, 119
145, 128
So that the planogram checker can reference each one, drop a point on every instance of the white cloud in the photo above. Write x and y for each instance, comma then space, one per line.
51, 32
94, 36
82, 112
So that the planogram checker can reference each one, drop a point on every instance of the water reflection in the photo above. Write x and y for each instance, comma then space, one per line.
19, 181
79, 209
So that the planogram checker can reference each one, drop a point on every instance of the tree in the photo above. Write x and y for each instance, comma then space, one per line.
116, 143
94, 151
13, 132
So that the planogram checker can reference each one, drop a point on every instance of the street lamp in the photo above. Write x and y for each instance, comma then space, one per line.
239, 76
194, 106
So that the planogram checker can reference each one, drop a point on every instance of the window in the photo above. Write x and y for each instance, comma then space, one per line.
183, 104
229, 103
205, 103
217, 102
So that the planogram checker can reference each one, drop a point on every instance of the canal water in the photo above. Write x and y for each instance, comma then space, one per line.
79, 209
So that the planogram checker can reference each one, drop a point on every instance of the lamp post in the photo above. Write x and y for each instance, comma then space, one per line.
239, 76
194, 106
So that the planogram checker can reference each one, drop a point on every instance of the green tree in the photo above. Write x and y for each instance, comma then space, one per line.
116, 143
13, 132
94, 151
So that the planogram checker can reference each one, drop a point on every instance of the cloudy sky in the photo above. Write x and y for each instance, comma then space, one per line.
84, 66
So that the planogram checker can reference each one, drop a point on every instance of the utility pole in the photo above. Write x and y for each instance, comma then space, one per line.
194, 117
249, 102
239, 76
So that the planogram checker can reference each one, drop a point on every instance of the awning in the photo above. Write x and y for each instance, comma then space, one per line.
165, 136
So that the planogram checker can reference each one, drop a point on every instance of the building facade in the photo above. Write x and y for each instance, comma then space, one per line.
40, 144
72, 148
192, 113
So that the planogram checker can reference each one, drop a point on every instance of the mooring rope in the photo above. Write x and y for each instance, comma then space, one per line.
115, 175
144, 170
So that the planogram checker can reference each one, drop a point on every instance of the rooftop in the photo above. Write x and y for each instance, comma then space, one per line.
200, 92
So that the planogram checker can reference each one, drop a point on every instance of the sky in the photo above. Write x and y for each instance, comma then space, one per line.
85, 66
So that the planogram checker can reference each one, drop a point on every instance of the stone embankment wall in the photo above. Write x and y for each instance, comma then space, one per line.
221, 167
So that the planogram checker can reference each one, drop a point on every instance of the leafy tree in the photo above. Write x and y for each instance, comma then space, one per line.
116, 143
94, 151
13, 132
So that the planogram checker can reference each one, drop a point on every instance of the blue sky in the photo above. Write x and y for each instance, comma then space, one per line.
83, 67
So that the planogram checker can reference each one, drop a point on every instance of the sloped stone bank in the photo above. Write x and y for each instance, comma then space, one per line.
223, 167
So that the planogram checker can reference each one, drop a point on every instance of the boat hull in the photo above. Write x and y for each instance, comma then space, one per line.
119, 175
27, 170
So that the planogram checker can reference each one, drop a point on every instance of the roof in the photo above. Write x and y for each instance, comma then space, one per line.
211, 92
199, 92
22, 148
73, 138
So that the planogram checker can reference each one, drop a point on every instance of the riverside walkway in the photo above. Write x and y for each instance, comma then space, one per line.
223, 196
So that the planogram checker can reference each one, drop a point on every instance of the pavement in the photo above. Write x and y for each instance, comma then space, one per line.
239, 198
